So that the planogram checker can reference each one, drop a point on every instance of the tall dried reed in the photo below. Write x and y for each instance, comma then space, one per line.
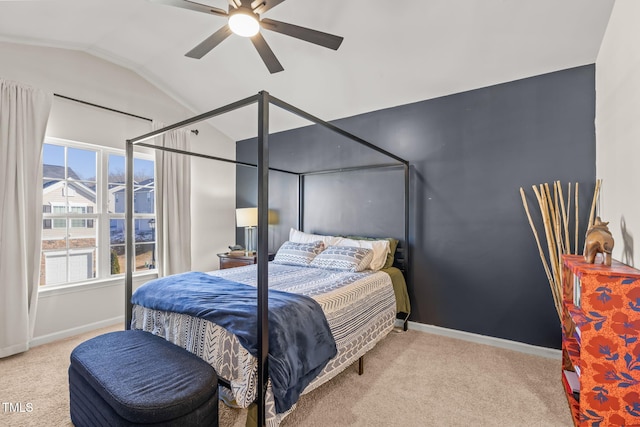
555, 215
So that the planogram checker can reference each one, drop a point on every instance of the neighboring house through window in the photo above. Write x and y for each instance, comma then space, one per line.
80, 240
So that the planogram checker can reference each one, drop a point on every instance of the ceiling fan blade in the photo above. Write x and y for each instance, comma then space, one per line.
312, 36
186, 4
209, 43
267, 55
261, 6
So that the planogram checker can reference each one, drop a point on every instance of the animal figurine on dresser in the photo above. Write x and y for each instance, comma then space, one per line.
598, 240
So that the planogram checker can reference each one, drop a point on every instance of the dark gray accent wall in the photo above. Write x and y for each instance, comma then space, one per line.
474, 263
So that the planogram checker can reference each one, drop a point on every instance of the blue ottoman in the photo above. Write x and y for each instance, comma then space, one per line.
134, 378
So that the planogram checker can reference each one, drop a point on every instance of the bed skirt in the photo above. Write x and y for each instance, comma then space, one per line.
360, 309
232, 362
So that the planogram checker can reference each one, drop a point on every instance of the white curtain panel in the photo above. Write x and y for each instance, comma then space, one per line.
24, 112
173, 203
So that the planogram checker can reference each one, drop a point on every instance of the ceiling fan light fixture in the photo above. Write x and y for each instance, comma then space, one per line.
244, 22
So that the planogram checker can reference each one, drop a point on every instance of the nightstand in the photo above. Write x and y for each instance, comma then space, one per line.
229, 261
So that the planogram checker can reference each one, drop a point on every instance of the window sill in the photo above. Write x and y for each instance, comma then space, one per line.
52, 290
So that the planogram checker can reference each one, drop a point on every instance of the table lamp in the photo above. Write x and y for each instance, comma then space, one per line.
248, 218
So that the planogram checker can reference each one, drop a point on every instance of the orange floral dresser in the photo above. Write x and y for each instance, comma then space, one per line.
600, 342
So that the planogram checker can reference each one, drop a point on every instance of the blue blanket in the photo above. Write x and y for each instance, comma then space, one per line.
300, 341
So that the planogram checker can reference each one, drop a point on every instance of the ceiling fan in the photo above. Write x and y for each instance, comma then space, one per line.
244, 20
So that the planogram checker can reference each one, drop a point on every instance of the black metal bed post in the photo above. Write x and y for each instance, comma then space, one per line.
406, 215
407, 256
130, 246
301, 202
263, 251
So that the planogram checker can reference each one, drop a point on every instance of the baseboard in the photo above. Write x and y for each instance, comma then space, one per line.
550, 353
45, 339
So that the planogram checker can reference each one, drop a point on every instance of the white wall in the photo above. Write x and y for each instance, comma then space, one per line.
64, 312
618, 129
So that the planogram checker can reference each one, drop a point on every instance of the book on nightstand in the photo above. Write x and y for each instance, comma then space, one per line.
576, 291
577, 334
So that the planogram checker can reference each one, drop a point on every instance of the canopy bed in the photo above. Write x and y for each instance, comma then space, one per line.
329, 282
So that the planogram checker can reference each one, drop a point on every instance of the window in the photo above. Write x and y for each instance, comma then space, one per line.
143, 208
83, 195
60, 208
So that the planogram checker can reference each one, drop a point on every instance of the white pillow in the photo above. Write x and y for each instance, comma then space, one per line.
380, 249
298, 236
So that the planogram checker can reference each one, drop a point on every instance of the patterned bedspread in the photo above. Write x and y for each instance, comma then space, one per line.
360, 309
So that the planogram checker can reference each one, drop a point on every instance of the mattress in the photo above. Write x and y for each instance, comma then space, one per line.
360, 309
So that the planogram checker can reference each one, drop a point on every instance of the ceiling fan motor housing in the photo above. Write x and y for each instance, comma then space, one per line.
244, 21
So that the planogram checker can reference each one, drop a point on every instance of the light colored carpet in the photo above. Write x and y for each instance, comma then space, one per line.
410, 379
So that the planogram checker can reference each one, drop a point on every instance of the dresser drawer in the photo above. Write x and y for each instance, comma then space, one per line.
230, 262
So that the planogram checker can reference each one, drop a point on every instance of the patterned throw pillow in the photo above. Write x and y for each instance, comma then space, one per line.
298, 253
347, 258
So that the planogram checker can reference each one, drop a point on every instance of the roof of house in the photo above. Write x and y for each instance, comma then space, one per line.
57, 172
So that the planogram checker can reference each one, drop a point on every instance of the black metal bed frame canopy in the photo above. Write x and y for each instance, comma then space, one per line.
263, 99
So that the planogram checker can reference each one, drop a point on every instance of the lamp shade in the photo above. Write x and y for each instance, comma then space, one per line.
247, 217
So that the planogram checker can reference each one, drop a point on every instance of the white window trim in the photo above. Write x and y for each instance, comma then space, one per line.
59, 215
53, 290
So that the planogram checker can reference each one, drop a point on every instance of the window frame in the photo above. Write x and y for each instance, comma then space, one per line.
55, 222
100, 220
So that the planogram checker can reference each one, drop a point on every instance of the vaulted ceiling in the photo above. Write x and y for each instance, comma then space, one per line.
394, 52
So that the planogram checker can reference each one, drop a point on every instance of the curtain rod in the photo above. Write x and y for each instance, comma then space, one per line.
195, 131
